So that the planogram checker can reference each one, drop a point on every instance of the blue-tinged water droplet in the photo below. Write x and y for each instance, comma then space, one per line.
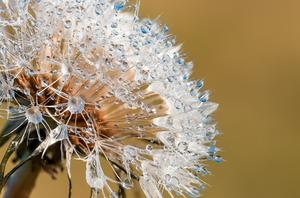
148, 22
145, 29
180, 61
193, 192
201, 170
204, 97
199, 84
218, 160
119, 7
212, 149
98, 9
185, 77
114, 25
165, 29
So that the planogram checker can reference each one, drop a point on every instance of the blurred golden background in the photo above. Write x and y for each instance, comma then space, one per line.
248, 54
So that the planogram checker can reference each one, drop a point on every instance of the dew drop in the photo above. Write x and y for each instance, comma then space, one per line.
34, 115
145, 29
199, 84
114, 25
180, 61
165, 29
218, 160
167, 177
76, 104
99, 11
212, 149
68, 24
149, 147
204, 97
182, 146
178, 104
119, 6
200, 169
193, 192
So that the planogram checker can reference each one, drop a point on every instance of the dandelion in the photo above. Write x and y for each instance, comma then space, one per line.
90, 80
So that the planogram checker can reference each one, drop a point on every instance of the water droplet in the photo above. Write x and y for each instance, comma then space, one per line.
145, 29
34, 115
193, 192
180, 61
149, 147
178, 104
200, 169
166, 58
114, 25
68, 24
204, 97
165, 29
185, 77
182, 146
199, 84
212, 149
76, 104
218, 160
99, 11
119, 6
167, 177
94, 173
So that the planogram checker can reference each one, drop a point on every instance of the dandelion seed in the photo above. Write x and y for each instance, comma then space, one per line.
90, 80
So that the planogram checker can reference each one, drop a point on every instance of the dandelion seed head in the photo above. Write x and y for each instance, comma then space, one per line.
106, 84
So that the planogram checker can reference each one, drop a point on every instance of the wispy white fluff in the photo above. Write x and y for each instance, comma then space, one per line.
111, 37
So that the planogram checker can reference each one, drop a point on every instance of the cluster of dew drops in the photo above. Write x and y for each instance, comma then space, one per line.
148, 48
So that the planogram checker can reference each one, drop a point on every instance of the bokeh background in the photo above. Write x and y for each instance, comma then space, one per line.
248, 53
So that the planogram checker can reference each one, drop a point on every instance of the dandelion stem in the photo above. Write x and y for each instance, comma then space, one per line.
18, 185
70, 186
9, 151
121, 191
21, 169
